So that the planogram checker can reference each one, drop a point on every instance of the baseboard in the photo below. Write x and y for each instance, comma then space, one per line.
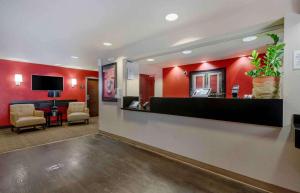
5, 126
200, 165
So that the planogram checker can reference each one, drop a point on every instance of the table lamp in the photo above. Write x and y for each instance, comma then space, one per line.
54, 94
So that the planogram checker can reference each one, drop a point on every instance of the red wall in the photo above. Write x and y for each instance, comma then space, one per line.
176, 83
10, 92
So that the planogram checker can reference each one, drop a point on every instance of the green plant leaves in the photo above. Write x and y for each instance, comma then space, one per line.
275, 38
272, 61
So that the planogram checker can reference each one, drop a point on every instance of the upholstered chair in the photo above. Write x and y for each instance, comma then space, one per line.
25, 116
78, 112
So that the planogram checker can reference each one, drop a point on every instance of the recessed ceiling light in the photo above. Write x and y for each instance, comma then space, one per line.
187, 52
74, 57
107, 44
171, 17
249, 38
150, 60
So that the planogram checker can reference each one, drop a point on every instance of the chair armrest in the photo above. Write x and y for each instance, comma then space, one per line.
38, 113
87, 110
13, 118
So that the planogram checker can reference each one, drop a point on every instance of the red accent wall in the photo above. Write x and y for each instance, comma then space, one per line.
176, 83
10, 92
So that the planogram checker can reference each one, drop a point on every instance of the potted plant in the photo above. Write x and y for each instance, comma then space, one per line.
267, 71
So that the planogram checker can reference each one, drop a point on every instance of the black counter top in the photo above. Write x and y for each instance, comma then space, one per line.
254, 111
139, 110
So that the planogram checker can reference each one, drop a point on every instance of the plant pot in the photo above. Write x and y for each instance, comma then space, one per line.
266, 87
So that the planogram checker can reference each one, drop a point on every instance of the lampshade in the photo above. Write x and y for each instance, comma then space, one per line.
18, 79
73, 82
53, 93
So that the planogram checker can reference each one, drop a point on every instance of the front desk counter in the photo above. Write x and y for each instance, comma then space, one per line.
253, 111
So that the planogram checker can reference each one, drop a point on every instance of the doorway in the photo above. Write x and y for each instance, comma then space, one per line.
147, 83
92, 96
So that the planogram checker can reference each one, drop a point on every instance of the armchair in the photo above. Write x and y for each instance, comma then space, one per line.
24, 116
78, 112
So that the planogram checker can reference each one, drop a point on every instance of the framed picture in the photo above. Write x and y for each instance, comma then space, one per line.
215, 80
109, 82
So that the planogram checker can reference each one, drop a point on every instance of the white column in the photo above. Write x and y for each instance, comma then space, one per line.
291, 77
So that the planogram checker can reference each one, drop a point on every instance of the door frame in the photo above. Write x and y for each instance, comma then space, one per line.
86, 86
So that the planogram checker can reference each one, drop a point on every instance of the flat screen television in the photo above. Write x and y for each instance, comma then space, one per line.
47, 82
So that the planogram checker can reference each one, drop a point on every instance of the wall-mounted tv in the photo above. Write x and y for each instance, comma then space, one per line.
47, 82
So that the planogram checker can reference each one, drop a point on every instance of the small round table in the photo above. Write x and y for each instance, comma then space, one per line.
57, 121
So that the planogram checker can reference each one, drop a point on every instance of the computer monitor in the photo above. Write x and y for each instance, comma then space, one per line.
202, 92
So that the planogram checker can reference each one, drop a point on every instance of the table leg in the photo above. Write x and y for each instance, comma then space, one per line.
61, 120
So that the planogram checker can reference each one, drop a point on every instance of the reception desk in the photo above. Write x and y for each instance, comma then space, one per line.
253, 111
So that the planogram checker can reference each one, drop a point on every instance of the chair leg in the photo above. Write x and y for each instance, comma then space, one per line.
12, 128
18, 130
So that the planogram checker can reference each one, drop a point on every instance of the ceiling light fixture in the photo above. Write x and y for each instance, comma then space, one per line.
150, 60
249, 38
74, 57
171, 17
187, 52
107, 44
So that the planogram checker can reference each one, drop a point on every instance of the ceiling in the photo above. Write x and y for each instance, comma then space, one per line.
50, 32
217, 50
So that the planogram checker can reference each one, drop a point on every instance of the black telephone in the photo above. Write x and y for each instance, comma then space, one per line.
235, 91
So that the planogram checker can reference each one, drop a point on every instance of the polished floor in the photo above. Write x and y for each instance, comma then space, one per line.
10, 141
94, 163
